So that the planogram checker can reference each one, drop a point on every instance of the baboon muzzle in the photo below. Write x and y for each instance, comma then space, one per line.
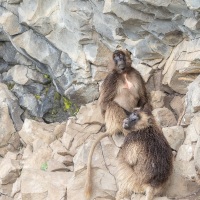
128, 122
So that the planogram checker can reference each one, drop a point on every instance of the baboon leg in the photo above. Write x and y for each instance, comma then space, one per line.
114, 117
149, 193
121, 194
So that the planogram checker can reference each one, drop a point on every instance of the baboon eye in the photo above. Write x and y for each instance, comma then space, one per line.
122, 57
116, 57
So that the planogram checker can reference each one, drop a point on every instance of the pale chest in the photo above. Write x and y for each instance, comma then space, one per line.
127, 92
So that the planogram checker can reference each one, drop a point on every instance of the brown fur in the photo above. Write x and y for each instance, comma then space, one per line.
145, 160
122, 91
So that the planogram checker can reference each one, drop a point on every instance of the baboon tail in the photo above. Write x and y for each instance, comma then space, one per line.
88, 184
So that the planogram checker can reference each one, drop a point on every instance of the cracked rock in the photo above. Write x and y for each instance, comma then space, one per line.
164, 117
9, 171
33, 130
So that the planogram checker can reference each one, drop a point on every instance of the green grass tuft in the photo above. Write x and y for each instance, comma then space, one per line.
44, 166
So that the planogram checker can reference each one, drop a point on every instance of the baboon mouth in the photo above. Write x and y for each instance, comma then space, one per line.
122, 67
126, 126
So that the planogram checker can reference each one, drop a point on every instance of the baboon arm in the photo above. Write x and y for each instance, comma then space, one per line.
132, 162
131, 157
108, 90
88, 184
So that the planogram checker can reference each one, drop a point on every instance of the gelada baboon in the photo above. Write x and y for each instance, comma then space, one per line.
122, 90
145, 161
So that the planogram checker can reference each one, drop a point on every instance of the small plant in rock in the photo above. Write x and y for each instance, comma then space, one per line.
47, 76
57, 96
44, 166
37, 96
67, 104
10, 86
70, 107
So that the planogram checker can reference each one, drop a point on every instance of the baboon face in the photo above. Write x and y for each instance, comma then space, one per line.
138, 120
131, 121
121, 60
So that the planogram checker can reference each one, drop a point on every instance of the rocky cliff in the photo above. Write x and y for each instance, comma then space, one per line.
53, 57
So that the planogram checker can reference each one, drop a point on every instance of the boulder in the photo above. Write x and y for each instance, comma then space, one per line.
12, 102
61, 154
182, 61
192, 97
157, 99
82, 93
177, 104
16, 187
9, 171
90, 113
55, 165
180, 187
37, 184
196, 157
18, 74
142, 197
104, 185
194, 4
10, 22
185, 153
151, 48
110, 152
7, 126
49, 54
33, 130
144, 70
38, 15
97, 54
164, 117
38, 159
191, 134
75, 134
8, 53
98, 73
185, 168
174, 135
81, 157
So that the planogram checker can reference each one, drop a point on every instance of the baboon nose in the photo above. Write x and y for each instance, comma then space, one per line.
125, 125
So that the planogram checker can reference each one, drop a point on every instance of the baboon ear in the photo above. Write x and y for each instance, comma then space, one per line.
128, 52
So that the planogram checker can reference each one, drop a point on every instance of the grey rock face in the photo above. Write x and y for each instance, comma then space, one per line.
10, 22
194, 4
8, 53
194, 101
182, 62
13, 106
7, 128
47, 54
